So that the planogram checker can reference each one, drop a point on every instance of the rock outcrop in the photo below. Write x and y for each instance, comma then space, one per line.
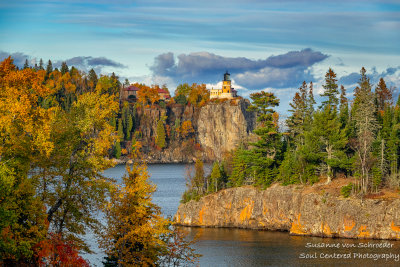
221, 127
295, 210
218, 128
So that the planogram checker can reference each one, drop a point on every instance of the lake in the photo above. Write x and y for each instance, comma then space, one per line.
240, 247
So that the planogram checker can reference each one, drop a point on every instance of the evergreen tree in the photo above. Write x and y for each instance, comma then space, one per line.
160, 138
215, 178
331, 140
343, 108
240, 169
49, 67
126, 83
92, 79
26, 65
129, 127
117, 150
383, 95
199, 182
365, 121
330, 90
41, 65
266, 151
64, 68
297, 121
120, 130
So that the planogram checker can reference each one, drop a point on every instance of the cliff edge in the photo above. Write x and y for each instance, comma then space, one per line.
296, 209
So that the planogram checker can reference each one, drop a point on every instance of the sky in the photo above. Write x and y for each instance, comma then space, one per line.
265, 45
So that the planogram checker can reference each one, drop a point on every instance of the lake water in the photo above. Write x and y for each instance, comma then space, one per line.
239, 247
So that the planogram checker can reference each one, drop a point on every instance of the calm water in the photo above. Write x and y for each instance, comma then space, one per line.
239, 247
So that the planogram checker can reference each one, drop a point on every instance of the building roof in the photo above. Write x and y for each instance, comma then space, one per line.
131, 88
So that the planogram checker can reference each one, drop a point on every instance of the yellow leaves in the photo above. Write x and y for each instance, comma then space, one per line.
186, 129
24, 124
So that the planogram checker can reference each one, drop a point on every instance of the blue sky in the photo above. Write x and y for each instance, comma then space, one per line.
266, 45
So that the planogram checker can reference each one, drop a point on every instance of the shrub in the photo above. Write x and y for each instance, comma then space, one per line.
346, 190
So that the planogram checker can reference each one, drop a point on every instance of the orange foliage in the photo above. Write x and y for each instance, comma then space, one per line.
186, 129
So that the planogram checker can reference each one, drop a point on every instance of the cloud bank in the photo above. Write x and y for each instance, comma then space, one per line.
279, 71
82, 63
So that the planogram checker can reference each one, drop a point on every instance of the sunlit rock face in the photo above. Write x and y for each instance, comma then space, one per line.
221, 127
218, 128
295, 210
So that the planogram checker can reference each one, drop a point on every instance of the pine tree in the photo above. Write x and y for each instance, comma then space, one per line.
160, 138
129, 127
331, 140
26, 65
41, 65
120, 130
49, 67
267, 150
363, 113
215, 178
296, 122
330, 90
92, 79
343, 108
117, 150
126, 83
383, 95
64, 68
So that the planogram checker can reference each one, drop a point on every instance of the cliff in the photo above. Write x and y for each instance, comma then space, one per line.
217, 128
299, 210
221, 127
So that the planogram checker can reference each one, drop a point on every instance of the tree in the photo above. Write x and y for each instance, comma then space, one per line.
25, 136
126, 83
330, 90
64, 68
70, 179
26, 65
186, 129
117, 150
49, 67
120, 130
297, 121
266, 151
383, 95
134, 224
41, 64
363, 114
160, 137
92, 79
330, 139
343, 108
216, 177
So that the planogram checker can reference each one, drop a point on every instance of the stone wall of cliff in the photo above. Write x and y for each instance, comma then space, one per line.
222, 127
218, 128
296, 210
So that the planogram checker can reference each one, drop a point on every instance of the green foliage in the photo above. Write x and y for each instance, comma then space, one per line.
117, 150
330, 91
345, 191
120, 130
160, 138
216, 178
181, 99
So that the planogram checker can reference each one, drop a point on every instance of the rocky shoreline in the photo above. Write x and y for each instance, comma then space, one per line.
298, 210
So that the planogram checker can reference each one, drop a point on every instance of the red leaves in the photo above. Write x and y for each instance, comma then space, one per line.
54, 251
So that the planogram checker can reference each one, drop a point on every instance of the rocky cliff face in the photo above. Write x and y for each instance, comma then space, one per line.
218, 128
295, 210
221, 127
